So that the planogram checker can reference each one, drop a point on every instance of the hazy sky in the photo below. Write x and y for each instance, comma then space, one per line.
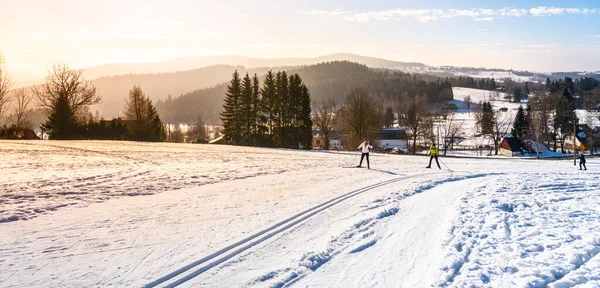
532, 35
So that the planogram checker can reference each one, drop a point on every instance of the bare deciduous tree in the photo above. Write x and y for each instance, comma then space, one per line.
414, 115
501, 126
64, 82
136, 109
325, 117
537, 122
467, 103
6, 86
360, 116
450, 129
22, 99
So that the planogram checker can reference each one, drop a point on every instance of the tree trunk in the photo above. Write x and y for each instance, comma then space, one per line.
326, 135
414, 144
496, 147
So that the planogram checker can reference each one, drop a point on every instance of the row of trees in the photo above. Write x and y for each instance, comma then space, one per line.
276, 114
15, 107
65, 97
470, 82
361, 116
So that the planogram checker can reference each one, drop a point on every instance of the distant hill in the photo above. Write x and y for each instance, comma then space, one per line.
115, 89
330, 80
190, 63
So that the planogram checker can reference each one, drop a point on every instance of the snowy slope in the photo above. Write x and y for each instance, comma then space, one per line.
271, 218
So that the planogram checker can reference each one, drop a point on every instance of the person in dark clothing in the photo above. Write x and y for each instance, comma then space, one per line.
434, 152
582, 161
365, 147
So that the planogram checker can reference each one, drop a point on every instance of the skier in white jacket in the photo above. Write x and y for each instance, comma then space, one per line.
365, 147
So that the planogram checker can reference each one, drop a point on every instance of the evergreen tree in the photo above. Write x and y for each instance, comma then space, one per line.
155, 127
61, 124
245, 115
268, 97
305, 120
281, 109
487, 119
519, 124
527, 121
518, 95
231, 110
257, 122
295, 117
388, 117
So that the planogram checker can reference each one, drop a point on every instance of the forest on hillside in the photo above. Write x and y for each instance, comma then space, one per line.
158, 86
331, 80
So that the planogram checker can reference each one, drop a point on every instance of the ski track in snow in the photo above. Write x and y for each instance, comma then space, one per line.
229, 252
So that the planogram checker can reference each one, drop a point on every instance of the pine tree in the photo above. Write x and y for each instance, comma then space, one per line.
487, 119
295, 117
305, 120
519, 124
155, 127
257, 122
231, 110
527, 121
518, 95
61, 123
281, 110
268, 97
245, 115
388, 117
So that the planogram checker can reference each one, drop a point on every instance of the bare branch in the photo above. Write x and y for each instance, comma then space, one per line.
65, 82
325, 117
22, 101
6, 85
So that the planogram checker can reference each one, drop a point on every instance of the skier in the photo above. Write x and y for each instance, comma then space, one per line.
582, 161
434, 152
365, 147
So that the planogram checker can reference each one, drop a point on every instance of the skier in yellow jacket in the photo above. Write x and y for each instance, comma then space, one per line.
434, 152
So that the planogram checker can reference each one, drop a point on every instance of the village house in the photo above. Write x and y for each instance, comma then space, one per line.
510, 146
582, 139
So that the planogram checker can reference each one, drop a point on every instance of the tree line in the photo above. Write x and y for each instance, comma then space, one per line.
65, 98
276, 114
475, 83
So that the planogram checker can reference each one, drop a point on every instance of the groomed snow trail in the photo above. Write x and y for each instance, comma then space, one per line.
181, 275
390, 225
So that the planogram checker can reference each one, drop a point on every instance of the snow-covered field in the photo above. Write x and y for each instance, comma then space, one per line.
125, 214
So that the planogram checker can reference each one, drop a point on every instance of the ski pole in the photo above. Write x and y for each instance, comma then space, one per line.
444, 164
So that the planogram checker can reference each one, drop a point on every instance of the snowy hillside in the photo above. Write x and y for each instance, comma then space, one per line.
220, 216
